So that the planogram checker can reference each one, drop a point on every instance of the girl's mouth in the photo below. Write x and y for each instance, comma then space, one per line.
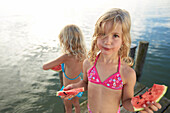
107, 49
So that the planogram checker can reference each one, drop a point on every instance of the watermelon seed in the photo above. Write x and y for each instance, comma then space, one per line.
65, 93
150, 89
137, 102
140, 96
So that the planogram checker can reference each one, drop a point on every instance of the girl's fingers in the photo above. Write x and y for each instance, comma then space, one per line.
66, 98
153, 107
147, 109
158, 105
68, 87
70, 96
143, 112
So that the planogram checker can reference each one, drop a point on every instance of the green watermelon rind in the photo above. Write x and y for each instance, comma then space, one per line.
165, 89
57, 93
139, 109
162, 93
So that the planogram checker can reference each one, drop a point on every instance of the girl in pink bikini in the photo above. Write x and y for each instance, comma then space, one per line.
108, 76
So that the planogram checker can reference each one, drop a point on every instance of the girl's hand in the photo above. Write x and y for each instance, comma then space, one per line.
69, 87
150, 107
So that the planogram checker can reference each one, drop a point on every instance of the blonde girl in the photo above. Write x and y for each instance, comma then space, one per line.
74, 53
108, 76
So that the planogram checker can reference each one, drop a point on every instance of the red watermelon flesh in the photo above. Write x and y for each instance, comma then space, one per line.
57, 68
153, 94
70, 92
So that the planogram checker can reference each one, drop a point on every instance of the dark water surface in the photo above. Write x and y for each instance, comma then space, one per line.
29, 39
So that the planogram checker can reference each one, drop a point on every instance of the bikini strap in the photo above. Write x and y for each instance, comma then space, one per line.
62, 67
119, 65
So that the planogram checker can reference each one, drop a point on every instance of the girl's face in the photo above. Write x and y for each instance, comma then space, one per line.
111, 41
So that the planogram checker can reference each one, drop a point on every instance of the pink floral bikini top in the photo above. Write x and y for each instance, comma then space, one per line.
113, 82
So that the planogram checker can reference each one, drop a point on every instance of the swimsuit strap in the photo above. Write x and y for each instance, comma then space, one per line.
62, 67
119, 65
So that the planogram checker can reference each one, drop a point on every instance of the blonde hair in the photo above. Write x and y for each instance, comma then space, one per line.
72, 41
114, 16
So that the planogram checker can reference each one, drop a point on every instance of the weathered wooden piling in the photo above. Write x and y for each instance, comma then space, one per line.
132, 51
140, 58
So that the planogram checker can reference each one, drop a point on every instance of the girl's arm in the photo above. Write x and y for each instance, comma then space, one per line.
128, 88
55, 62
128, 92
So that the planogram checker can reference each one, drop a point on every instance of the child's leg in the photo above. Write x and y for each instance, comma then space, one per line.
68, 106
76, 104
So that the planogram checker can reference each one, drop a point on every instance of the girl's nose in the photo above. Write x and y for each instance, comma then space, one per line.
108, 40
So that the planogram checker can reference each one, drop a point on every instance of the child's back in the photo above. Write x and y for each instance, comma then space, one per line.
72, 43
72, 68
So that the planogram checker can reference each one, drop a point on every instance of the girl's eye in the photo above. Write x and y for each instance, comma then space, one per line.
116, 36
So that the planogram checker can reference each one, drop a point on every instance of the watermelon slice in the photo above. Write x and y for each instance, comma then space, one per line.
57, 68
153, 94
70, 92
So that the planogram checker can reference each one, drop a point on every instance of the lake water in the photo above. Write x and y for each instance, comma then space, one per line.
28, 38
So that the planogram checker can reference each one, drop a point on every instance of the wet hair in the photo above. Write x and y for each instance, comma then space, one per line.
114, 16
72, 41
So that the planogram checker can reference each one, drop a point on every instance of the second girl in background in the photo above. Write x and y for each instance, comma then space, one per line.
73, 45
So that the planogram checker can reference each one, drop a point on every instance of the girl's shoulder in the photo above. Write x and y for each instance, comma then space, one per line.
126, 68
86, 63
127, 72
71, 60
64, 55
67, 56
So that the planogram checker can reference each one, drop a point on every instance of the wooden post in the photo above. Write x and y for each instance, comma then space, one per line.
140, 59
132, 51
